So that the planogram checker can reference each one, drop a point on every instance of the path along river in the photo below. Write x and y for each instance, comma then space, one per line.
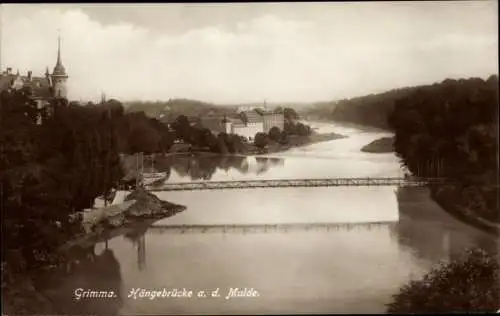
371, 241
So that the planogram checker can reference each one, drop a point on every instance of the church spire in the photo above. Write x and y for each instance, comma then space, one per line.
59, 76
59, 68
59, 50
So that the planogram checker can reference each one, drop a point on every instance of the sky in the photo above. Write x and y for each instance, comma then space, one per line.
250, 52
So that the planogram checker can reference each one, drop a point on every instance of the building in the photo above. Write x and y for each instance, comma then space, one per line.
272, 119
245, 123
43, 89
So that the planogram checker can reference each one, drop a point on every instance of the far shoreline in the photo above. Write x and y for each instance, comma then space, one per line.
273, 147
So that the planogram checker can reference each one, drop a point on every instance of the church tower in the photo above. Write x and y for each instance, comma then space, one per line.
59, 76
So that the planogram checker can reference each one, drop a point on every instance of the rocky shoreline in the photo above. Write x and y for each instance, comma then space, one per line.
138, 206
140, 209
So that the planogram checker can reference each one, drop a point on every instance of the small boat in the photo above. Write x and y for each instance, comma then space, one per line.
154, 175
153, 181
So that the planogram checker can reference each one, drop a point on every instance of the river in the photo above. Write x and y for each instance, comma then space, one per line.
335, 250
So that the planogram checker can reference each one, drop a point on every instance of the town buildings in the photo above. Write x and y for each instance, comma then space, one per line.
42, 89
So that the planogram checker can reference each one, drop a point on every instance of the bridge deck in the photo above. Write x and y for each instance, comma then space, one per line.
285, 183
264, 228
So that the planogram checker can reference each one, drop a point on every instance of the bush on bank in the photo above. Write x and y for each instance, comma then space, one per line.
468, 285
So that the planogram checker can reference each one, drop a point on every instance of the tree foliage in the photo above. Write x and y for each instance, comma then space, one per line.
261, 140
451, 130
448, 129
52, 170
468, 285
290, 114
275, 134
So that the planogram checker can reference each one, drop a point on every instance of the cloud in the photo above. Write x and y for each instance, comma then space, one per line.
280, 59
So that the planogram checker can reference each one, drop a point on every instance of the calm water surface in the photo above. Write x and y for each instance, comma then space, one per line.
308, 250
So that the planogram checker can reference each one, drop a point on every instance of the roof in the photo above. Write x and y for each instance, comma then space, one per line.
236, 120
269, 112
251, 116
40, 87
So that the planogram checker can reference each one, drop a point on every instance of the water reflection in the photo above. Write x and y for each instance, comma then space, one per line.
203, 168
89, 272
138, 239
433, 235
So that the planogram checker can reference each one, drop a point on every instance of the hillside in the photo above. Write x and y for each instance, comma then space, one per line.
169, 110
369, 110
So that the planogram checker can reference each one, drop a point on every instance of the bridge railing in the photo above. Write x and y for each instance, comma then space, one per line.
321, 182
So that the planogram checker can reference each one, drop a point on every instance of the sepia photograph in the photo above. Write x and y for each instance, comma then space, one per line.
250, 158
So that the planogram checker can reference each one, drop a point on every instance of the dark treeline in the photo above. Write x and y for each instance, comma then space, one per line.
449, 129
57, 168
368, 110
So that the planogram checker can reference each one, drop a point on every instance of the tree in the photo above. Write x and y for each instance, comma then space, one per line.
182, 128
261, 140
467, 285
235, 143
221, 146
284, 137
275, 134
290, 114
302, 129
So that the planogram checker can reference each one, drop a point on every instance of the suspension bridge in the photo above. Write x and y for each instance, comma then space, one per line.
264, 228
295, 183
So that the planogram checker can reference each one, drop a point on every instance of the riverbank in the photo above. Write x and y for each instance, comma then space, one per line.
379, 146
361, 127
450, 198
296, 142
115, 220
452, 287
129, 162
462, 283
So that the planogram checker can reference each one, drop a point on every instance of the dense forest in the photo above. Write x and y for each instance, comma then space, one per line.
57, 168
448, 129
369, 110
451, 130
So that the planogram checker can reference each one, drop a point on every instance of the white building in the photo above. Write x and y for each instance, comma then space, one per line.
245, 123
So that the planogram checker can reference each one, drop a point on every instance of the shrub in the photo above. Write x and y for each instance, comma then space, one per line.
467, 285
